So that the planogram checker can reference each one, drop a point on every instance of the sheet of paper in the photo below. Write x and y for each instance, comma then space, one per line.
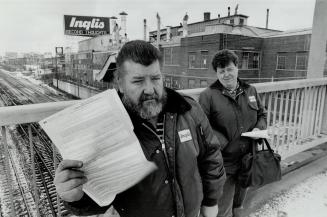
257, 134
99, 132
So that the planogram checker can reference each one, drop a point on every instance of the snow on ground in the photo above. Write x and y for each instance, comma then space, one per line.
31, 79
307, 199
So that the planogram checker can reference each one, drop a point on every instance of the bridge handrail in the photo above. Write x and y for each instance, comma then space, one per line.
36, 112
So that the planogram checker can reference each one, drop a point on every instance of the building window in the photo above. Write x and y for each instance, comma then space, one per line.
281, 62
301, 61
203, 83
256, 59
241, 21
191, 60
245, 60
231, 21
191, 83
168, 81
204, 59
168, 56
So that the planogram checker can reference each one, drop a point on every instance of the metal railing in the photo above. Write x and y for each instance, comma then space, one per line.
297, 113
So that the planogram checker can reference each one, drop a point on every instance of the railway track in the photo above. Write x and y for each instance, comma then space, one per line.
43, 157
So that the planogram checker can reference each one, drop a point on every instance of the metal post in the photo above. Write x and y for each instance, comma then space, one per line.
56, 71
8, 173
36, 195
324, 113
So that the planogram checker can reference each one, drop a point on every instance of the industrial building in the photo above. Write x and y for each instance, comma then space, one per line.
264, 54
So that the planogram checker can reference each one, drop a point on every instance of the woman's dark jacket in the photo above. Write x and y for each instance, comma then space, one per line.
231, 117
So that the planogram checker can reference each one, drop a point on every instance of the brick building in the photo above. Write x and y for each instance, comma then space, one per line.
264, 54
286, 54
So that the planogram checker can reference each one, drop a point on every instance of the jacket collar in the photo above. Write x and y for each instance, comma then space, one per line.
176, 103
240, 90
218, 85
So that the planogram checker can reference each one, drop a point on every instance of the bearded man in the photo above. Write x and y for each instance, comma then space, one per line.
174, 133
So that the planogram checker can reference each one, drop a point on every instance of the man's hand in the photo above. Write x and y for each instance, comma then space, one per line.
69, 180
209, 211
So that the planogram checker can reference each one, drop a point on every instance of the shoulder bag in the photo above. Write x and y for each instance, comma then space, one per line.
260, 167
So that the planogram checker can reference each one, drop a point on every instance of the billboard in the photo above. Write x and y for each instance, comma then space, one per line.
86, 25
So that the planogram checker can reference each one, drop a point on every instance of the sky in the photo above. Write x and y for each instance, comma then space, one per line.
37, 25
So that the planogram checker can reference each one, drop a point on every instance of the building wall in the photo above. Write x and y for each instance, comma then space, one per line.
189, 65
290, 47
82, 66
99, 43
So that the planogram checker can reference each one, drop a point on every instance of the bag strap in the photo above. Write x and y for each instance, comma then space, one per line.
268, 146
270, 150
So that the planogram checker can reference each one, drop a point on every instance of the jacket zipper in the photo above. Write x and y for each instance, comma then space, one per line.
162, 145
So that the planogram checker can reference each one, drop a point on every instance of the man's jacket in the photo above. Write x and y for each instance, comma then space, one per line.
191, 175
231, 117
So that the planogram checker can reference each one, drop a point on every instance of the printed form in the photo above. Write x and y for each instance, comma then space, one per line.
99, 132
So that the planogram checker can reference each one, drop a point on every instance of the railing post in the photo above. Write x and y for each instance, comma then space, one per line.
324, 113
36, 195
290, 119
8, 173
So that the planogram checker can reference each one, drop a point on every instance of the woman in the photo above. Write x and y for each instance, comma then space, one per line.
232, 107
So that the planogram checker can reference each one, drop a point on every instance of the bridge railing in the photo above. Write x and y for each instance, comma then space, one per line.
297, 114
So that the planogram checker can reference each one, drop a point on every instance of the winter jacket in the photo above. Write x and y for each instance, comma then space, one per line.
231, 117
193, 176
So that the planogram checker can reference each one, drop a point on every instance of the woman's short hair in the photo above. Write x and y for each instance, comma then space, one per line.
223, 58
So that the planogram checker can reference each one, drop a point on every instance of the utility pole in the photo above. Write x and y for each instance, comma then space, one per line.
59, 52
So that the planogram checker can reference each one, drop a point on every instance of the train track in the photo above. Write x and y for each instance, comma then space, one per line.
44, 167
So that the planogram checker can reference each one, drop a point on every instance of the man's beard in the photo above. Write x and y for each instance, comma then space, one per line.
146, 109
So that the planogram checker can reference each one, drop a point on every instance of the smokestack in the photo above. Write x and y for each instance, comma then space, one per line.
206, 16
158, 30
236, 8
185, 27
168, 33
218, 18
228, 11
123, 22
267, 18
144, 28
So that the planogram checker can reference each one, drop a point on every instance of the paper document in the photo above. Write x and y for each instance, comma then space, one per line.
99, 132
257, 134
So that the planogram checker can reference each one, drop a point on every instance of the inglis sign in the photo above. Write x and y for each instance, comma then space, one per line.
86, 26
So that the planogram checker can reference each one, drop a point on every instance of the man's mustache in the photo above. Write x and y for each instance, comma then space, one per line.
145, 97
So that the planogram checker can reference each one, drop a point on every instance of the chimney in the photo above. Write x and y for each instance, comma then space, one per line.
123, 22
218, 18
267, 18
144, 28
236, 8
168, 33
158, 29
228, 11
206, 16
185, 26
